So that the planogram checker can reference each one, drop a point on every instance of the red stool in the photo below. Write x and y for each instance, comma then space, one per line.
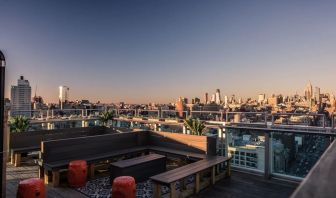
77, 173
31, 188
123, 187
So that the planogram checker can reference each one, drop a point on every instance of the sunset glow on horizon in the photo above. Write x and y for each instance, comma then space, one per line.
156, 51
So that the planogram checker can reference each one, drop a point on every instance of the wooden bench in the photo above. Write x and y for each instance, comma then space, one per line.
56, 154
170, 178
25, 142
141, 168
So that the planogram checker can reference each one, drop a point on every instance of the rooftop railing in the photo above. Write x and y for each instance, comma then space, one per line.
285, 153
276, 120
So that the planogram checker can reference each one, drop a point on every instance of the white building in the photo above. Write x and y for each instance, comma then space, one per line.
218, 99
63, 95
21, 98
261, 98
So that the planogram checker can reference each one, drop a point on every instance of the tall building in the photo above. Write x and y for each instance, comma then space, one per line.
218, 97
317, 94
213, 98
21, 98
309, 91
226, 100
63, 95
206, 99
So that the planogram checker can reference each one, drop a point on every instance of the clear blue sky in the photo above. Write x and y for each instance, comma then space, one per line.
157, 50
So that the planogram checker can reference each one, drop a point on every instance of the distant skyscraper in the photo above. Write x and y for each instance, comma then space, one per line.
218, 97
21, 98
226, 100
317, 94
309, 91
213, 98
63, 95
206, 98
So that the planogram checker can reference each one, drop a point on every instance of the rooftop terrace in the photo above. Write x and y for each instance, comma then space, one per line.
240, 185
286, 156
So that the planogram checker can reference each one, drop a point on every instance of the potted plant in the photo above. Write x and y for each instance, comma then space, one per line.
196, 126
19, 123
105, 117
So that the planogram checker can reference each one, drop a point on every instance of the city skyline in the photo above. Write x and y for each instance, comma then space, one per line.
122, 51
63, 96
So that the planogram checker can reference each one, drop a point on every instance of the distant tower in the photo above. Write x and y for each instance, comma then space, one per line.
63, 95
213, 98
309, 91
21, 98
317, 94
206, 98
218, 97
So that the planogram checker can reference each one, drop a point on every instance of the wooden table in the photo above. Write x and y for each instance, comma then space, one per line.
141, 168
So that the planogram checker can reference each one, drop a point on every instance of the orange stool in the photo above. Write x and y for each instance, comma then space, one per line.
123, 187
31, 188
77, 173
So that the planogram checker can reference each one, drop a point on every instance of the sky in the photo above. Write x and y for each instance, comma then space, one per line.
144, 51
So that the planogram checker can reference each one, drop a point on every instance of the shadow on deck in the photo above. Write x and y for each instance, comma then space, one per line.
243, 185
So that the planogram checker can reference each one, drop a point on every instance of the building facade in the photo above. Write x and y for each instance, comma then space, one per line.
21, 98
63, 96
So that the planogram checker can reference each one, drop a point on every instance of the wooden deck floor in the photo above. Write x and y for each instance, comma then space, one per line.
15, 174
243, 185
240, 185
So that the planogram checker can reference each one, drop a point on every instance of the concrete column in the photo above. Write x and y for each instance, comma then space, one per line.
52, 113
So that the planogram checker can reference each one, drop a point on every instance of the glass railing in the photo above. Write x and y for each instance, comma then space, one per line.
208, 115
294, 154
246, 117
247, 148
300, 119
149, 113
278, 152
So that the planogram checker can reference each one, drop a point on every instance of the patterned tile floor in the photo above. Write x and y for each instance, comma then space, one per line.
101, 188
